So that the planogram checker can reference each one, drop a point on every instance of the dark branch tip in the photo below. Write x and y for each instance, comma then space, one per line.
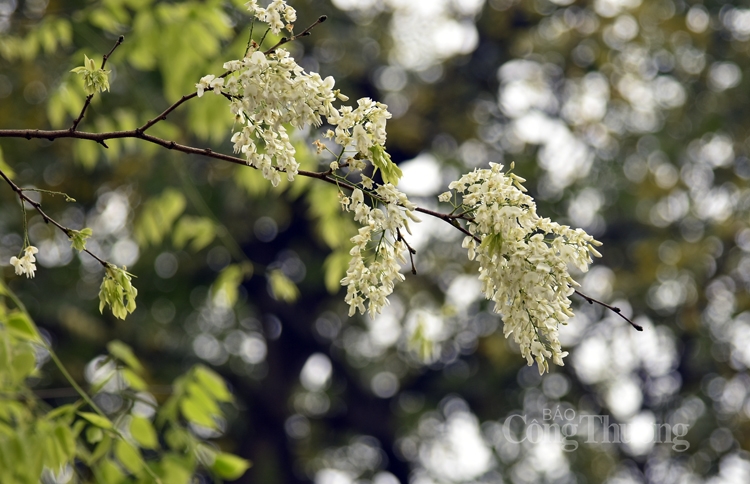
322, 18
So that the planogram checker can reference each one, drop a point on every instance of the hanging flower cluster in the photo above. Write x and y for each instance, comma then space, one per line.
523, 260
25, 265
378, 248
270, 90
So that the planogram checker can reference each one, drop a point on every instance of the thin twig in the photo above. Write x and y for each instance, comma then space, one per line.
614, 309
90, 96
163, 116
304, 33
47, 219
410, 249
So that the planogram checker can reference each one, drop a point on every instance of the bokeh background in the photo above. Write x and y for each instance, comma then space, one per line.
627, 118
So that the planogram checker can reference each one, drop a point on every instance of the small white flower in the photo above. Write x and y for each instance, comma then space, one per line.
25, 265
445, 197
18, 265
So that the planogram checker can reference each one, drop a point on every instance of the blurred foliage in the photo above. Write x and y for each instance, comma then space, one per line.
628, 119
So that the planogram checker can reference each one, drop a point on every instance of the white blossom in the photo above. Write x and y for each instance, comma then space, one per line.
25, 265
523, 260
378, 248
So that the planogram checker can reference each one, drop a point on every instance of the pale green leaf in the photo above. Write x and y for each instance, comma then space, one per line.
129, 457
125, 354
229, 466
143, 432
213, 383
96, 419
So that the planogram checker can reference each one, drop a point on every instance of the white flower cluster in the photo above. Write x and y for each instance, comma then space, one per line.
268, 91
273, 14
371, 279
523, 260
25, 265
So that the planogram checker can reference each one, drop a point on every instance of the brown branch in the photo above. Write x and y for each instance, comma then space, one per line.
47, 219
163, 116
304, 33
411, 250
90, 96
614, 309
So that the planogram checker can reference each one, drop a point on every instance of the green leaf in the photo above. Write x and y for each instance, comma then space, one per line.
65, 441
108, 472
200, 230
97, 420
213, 383
202, 398
101, 449
20, 325
229, 280
23, 363
194, 413
391, 173
129, 457
94, 435
5, 167
143, 432
134, 381
335, 267
125, 354
78, 238
64, 410
158, 216
229, 466
282, 287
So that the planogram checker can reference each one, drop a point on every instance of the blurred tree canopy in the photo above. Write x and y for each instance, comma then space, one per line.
626, 117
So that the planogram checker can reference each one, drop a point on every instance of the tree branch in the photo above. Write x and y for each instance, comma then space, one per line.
614, 309
47, 219
304, 33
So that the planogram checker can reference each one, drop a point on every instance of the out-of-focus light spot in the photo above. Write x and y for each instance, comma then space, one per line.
206, 346
738, 22
464, 290
218, 258
422, 176
715, 149
383, 477
624, 398
610, 8
390, 78
384, 385
333, 476
457, 452
641, 430
265, 229
166, 265
724, 75
113, 209
555, 385
163, 311
125, 252
316, 372
253, 349
297, 426
625, 27
35, 92
697, 19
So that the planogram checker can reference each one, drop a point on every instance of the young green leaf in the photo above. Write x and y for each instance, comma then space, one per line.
212, 382
125, 354
20, 325
129, 457
229, 466
78, 238
142, 431
97, 420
